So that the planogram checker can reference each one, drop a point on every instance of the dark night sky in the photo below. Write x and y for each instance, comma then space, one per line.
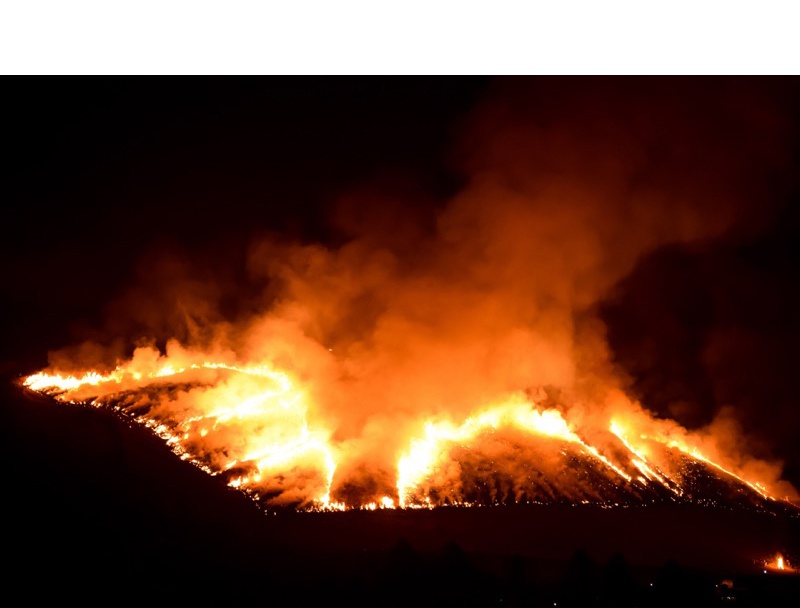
100, 174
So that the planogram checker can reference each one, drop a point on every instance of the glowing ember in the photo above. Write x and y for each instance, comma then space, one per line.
247, 423
778, 563
258, 427
446, 340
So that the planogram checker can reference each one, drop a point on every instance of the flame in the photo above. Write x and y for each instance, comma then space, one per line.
247, 422
451, 350
258, 427
680, 443
778, 563
424, 454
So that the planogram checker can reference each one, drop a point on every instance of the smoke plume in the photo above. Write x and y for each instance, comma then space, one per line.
433, 311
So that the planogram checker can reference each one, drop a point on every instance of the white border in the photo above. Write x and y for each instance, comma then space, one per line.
391, 37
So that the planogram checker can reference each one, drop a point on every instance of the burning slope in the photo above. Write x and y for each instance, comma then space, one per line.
252, 426
452, 352
248, 422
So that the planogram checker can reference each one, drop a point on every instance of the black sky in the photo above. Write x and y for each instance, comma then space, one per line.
102, 173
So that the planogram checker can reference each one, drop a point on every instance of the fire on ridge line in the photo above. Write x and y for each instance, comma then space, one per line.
250, 425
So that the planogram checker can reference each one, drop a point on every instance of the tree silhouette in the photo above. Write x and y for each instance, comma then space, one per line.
579, 585
619, 587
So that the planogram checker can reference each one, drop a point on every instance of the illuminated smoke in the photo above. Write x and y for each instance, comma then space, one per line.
455, 355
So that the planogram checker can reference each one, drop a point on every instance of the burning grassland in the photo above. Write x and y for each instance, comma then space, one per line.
453, 351
257, 428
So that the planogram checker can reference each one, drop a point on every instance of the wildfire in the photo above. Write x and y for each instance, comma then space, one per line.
778, 563
450, 345
246, 422
414, 467
258, 428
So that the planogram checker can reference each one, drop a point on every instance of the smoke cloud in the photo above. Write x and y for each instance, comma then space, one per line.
433, 310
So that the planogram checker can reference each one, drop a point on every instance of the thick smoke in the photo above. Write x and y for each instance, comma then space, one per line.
427, 311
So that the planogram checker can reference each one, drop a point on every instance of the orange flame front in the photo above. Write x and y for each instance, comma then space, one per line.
449, 346
258, 427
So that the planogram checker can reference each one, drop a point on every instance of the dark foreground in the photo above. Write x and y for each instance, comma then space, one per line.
99, 512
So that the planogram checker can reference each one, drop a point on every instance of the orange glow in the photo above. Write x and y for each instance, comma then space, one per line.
258, 427
427, 453
246, 422
778, 563
449, 345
